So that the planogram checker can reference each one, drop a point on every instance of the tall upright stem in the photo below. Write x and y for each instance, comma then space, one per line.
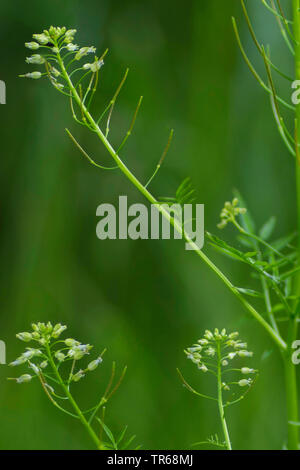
220, 401
76, 408
290, 371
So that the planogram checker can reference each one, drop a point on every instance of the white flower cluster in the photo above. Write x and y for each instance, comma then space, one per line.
216, 350
69, 350
229, 212
52, 44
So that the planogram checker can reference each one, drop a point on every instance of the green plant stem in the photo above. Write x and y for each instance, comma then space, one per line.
291, 397
290, 370
274, 335
78, 411
220, 401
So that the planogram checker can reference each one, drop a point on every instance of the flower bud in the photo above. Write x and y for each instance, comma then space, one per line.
72, 47
41, 38
70, 342
32, 45
35, 59
202, 367
24, 378
60, 356
58, 329
17, 362
246, 370
24, 336
244, 382
208, 334
34, 75
79, 375
94, 364
35, 369
244, 353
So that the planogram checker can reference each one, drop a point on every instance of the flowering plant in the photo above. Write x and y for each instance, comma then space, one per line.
54, 362
214, 354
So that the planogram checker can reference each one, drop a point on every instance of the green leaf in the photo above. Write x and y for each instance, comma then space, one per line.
268, 228
108, 433
251, 292
121, 437
284, 241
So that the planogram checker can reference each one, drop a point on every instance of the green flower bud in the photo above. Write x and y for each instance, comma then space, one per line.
24, 378
79, 375
94, 364
24, 336
60, 356
32, 45
70, 342
34, 75
35, 59
246, 370
58, 329
41, 38
244, 382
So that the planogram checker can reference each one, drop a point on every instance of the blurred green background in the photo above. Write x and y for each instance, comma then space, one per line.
144, 300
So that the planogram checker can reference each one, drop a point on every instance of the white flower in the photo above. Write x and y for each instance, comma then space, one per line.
202, 367
233, 335
24, 378
84, 51
69, 36
59, 356
203, 342
208, 334
244, 353
195, 349
58, 329
244, 382
240, 345
79, 375
34, 75
35, 59
224, 363
246, 370
41, 38
24, 336
70, 342
32, 45
231, 355
94, 364
18, 362
35, 369
225, 386
72, 47
210, 351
